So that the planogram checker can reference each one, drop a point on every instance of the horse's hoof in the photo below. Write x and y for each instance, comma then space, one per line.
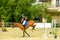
23, 36
55, 36
50, 32
29, 36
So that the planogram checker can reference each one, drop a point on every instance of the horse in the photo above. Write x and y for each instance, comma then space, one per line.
30, 24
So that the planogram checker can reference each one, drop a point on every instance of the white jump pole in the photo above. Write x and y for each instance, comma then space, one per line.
45, 36
53, 27
51, 34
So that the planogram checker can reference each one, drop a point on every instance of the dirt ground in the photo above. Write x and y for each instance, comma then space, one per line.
38, 34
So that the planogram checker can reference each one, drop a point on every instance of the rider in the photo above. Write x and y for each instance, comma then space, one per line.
23, 21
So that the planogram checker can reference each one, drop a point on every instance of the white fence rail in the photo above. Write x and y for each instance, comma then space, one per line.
42, 25
38, 25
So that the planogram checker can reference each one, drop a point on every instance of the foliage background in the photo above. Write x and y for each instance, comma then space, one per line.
12, 10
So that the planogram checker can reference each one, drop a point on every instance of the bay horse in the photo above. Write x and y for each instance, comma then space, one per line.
30, 24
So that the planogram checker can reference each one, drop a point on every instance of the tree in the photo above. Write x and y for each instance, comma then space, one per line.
11, 10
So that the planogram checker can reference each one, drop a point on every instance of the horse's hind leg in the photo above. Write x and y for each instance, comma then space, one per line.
23, 34
27, 33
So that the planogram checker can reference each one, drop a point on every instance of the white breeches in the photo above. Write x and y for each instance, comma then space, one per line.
24, 22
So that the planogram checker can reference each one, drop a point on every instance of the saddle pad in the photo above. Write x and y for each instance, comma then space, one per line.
26, 23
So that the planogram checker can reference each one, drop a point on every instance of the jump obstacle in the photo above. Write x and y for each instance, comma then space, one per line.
53, 32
